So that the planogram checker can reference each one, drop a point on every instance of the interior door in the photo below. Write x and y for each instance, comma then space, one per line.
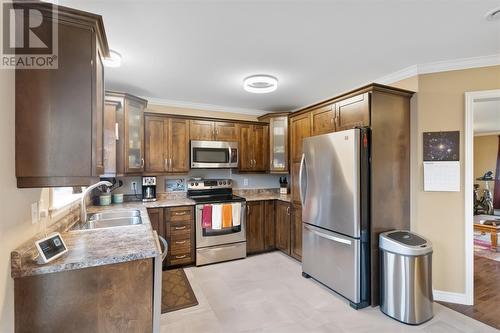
156, 144
179, 145
330, 182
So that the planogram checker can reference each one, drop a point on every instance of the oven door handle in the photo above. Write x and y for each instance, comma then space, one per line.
165, 247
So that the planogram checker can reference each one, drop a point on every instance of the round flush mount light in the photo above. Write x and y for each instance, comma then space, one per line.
493, 15
114, 59
260, 83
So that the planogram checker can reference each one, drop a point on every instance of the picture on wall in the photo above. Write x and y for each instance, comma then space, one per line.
441, 146
175, 185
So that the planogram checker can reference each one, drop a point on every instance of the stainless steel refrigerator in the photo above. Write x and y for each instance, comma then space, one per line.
334, 183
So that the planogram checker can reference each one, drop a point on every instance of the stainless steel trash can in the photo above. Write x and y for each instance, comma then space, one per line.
406, 277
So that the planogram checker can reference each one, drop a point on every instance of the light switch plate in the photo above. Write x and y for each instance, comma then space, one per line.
34, 213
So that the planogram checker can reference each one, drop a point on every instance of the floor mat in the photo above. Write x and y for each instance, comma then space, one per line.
176, 291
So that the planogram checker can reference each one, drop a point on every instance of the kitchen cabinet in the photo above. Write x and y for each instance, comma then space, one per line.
130, 143
278, 141
353, 112
300, 128
254, 148
156, 219
255, 226
323, 119
282, 221
296, 233
180, 235
110, 137
269, 225
59, 113
167, 144
208, 130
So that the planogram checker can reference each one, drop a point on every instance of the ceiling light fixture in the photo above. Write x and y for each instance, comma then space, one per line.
260, 83
493, 15
114, 59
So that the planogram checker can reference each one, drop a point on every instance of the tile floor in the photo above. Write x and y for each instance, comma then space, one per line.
266, 293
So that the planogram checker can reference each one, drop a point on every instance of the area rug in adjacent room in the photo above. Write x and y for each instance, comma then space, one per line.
176, 291
482, 243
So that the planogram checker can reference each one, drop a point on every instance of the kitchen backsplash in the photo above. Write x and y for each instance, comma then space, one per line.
240, 181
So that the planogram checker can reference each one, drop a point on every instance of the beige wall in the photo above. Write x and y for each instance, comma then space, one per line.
485, 158
199, 113
439, 216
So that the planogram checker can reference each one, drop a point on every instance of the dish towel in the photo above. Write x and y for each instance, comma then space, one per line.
227, 215
206, 217
216, 217
236, 213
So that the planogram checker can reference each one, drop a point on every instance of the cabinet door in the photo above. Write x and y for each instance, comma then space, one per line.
260, 147
246, 148
179, 145
201, 130
255, 226
110, 137
269, 226
99, 116
300, 128
282, 218
156, 218
296, 233
353, 112
278, 128
323, 120
225, 131
295, 183
134, 133
156, 144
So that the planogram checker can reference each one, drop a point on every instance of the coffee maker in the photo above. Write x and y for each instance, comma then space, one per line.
149, 188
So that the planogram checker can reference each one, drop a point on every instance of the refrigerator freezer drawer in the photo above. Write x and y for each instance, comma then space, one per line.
333, 260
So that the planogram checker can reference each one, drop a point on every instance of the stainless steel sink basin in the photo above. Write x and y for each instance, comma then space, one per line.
111, 219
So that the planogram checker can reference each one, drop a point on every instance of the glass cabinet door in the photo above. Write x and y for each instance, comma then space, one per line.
279, 144
134, 158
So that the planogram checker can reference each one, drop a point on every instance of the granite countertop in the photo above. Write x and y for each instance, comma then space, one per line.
93, 247
258, 195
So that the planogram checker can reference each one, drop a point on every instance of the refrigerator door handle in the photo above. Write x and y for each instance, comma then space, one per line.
301, 179
333, 238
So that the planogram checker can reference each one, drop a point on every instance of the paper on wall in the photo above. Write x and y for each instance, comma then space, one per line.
443, 176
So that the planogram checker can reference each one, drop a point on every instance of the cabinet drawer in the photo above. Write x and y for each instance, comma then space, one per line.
180, 259
177, 214
180, 231
178, 247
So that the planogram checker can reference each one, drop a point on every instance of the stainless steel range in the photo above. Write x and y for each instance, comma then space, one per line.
220, 221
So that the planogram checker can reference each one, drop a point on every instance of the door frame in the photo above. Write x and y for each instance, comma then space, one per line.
470, 98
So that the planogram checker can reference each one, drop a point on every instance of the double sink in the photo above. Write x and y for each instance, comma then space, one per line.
112, 219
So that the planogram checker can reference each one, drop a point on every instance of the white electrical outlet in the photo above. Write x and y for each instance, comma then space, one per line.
34, 213
245, 181
133, 186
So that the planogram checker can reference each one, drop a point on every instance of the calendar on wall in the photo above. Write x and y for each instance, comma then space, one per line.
441, 161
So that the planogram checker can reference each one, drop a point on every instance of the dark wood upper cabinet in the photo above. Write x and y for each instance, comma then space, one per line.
323, 120
207, 130
110, 137
300, 128
167, 144
130, 143
296, 233
282, 221
255, 227
60, 112
226, 131
353, 112
254, 148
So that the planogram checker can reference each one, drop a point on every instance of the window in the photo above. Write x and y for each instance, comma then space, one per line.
63, 196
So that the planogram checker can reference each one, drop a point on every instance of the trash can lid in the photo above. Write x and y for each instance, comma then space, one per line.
404, 242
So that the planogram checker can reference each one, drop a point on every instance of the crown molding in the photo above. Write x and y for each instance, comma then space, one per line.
440, 66
203, 107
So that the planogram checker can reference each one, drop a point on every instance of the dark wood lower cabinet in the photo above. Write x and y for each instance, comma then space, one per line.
106, 299
296, 233
269, 225
282, 221
255, 226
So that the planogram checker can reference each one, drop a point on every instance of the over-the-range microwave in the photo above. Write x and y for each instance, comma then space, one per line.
214, 154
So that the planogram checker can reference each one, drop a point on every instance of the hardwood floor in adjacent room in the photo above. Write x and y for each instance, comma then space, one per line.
486, 306
267, 294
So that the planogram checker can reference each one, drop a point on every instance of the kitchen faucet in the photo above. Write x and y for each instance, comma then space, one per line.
83, 206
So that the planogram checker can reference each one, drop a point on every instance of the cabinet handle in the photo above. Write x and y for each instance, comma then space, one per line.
180, 228
181, 257
181, 242
117, 131
142, 163
288, 210
166, 164
170, 161
180, 213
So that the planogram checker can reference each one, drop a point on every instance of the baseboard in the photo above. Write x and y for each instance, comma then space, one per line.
449, 297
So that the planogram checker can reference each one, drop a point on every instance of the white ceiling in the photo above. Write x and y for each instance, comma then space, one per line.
199, 51
487, 116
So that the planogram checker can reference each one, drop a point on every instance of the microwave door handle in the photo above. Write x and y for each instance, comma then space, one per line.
301, 180
229, 149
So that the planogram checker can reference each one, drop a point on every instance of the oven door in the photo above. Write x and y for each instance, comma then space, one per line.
208, 237
214, 154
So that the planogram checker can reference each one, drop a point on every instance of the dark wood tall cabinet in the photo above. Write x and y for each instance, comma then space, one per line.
59, 112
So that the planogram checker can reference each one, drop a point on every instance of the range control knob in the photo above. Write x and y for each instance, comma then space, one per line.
196, 184
220, 183
192, 184
224, 183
